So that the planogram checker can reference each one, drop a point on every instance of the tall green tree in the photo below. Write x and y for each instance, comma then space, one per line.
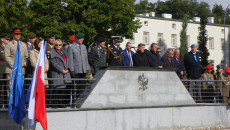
203, 37
145, 7
14, 13
218, 13
94, 18
183, 38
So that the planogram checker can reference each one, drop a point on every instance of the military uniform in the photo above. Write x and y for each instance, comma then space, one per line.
226, 89
97, 58
48, 50
114, 56
10, 52
208, 88
2, 62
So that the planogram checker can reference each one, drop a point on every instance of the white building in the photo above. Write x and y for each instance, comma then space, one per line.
166, 32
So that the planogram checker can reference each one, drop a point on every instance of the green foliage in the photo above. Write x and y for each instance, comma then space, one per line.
203, 38
145, 7
183, 38
94, 18
14, 13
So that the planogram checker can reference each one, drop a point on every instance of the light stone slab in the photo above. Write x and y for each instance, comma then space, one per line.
120, 88
139, 119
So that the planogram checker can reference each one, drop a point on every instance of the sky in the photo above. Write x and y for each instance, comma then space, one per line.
224, 3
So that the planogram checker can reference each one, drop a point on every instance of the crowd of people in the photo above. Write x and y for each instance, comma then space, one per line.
74, 61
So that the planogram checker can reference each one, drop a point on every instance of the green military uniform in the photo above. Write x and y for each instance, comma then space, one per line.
219, 86
97, 58
48, 50
208, 88
226, 88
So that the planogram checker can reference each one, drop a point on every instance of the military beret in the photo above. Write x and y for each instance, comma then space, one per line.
79, 36
51, 35
194, 45
31, 35
6, 36
72, 38
219, 66
227, 70
16, 30
209, 67
101, 39
117, 38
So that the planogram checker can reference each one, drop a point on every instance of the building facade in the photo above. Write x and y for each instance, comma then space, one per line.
166, 32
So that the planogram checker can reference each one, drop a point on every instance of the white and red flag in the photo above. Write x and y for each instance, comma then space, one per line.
36, 92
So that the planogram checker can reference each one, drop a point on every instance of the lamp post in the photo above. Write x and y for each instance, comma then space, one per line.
225, 45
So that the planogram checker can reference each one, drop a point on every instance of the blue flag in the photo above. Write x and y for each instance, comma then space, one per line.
17, 102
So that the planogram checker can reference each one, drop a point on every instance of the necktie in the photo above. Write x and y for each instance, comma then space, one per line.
195, 57
80, 47
130, 58
178, 60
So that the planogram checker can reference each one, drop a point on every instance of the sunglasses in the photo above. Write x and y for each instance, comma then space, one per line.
58, 45
17, 33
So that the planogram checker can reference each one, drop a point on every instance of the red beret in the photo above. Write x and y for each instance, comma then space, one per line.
209, 67
227, 70
72, 38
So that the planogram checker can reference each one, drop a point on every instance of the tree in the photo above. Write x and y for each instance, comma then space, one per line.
183, 38
203, 38
91, 17
144, 7
14, 14
218, 13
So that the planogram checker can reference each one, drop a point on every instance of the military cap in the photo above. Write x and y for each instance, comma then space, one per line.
117, 38
219, 66
31, 35
101, 39
79, 36
16, 30
227, 70
209, 67
6, 36
194, 45
72, 38
51, 35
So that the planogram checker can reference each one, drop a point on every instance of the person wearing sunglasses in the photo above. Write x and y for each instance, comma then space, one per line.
59, 69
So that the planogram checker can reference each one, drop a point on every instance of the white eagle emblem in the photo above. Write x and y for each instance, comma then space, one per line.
143, 82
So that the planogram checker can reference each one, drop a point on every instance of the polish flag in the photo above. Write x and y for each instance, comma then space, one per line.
36, 92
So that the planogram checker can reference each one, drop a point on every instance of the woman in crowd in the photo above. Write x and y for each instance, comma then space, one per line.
59, 69
33, 55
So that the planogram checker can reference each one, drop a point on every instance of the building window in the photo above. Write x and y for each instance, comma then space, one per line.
222, 30
174, 26
173, 40
211, 62
146, 37
160, 38
146, 23
131, 41
198, 40
222, 43
211, 43
188, 40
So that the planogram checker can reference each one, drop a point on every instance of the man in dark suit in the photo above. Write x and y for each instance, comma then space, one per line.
140, 57
98, 55
127, 55
192, 64
154, 57
115, 52
167, 59
179, 64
